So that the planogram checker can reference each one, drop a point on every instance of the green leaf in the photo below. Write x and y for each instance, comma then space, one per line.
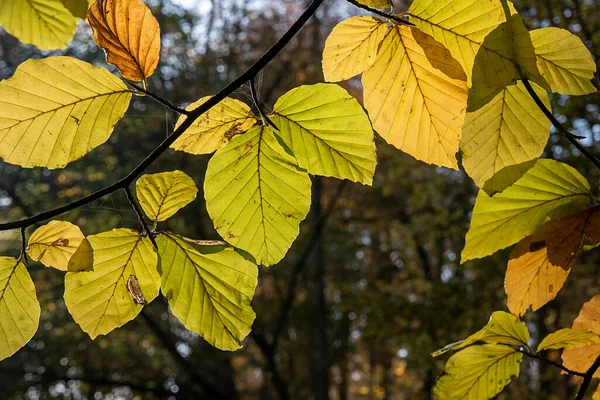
82, 259
210, 289
507, 131
46, 24
549, 190
215, 128
256, 195
78, 8
502, 328
100, 300
55, 243
328, 132
162, 195
478, 372
54, 111
19, 307
564, 61
568, 338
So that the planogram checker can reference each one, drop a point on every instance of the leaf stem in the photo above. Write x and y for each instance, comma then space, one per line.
136, 207
587, 378
156, 97
193, 115
265, 119
530, 354
570, 137
392, 17
23, 256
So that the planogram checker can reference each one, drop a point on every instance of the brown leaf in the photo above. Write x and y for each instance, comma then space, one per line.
580, 359
130, 35
531, 279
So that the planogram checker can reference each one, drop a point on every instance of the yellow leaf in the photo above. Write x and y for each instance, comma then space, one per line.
596, 395
564, 61
54, 111
162, 195
416, 95
19, 307
82, 259
256, 195
581, 358
502, 328
55, 243
478, 372
507, 131
376, 3
352, 47
99, 300
215, 128
568, 339
210, 289
46, 24
531, 279
549, 190
130, 35
78, 8
327, 131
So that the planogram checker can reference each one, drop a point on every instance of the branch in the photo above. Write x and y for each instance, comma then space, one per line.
157, 98
570, 137
587, 378
547, 361
394, 18
191, 117
140, 216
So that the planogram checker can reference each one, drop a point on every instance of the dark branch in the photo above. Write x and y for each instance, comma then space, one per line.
547, 361
140, 215
570, 137
587, 378
191, 117
157, 98
23, 256
394, 18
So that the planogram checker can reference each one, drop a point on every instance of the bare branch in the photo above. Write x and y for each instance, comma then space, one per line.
587, 378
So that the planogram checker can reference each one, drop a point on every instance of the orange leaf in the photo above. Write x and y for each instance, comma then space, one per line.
531, 279
581, 358
130, 35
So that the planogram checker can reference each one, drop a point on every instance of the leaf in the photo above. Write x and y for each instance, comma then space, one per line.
55, 243
507, 131
506, 177
82, 259
54, 111
99, 300
564, 61
210, 289
215, 128
478, 372
46, 24
78, 8
256, 195
596, 395
352, 47
502, 328
328, 132
130, 35
19, 307
580, 359
376, 3
568, 339
549, 190
531, 279
162, 195
416, 95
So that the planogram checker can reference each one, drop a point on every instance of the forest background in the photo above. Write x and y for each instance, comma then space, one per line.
371, 287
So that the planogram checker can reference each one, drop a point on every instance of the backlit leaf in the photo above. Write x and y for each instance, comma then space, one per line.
82, 259
531, 279
564, 61
55, 243
210, 289
568, 339
99, 300
507, 131
478, 372
215, 128
328, 132
352, 47
581, 358
256, 195
54, 111
130, 35
19, 307
78, 8
416, 95
549, 190
376, 3
46, 24
162, 195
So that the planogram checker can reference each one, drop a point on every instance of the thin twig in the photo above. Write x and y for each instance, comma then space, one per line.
140, 215
192, 116
570, 137
157, 98
392, 17
265, 118
547, 361
587, 378
23, 256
